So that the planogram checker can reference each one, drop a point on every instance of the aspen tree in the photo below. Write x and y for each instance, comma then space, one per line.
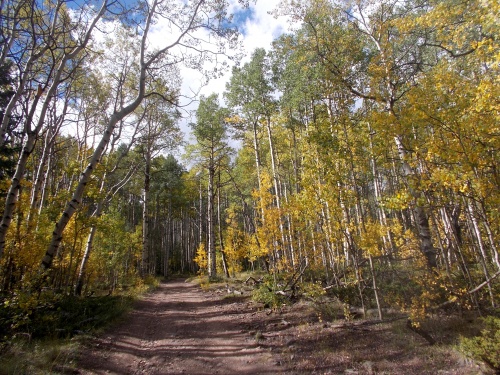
210, 131
66, 51
186, 22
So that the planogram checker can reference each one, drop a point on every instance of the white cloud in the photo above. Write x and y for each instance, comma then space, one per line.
263, 28
258, 31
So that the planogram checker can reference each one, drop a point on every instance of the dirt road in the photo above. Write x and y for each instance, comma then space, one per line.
179, 329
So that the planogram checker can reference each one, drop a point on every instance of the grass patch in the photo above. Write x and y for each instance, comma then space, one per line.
42, 334
45, 356
61, 316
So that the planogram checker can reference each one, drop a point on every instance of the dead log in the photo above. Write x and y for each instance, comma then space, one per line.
420, 331
255, 281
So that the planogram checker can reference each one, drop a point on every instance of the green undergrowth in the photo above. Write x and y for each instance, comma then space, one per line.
41, 356
61, 316
46, 329
485, 346
268, 292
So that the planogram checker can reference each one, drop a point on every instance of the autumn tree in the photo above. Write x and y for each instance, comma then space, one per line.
210, 131
56, 42
151, 64
158, 133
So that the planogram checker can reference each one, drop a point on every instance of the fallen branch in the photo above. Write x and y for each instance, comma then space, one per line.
409, 325
482, 285
354, 325
292, 282
282, 292
420, 331
477, 288
256, 282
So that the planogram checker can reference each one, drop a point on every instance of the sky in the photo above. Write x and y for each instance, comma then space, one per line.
258, 29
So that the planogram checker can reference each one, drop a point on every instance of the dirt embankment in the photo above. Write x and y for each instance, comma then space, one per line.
181, 329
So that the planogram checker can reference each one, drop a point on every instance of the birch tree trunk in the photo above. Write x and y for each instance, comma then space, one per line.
421, 217
146, 250
28, 146
212, 262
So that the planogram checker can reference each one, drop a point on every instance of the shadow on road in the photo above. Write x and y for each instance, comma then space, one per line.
179, 329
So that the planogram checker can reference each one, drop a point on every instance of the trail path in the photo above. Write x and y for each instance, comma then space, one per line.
179, 329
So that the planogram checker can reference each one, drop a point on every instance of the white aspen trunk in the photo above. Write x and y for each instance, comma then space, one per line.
451, 235
17, 95
482, 255
146, 251
219, 226
445, 252
38, 182
276, 184
421, 217
347, 242
489, 232
41, 173
388, 239
375, 289
9, 24
257, 167
291, 231
295, 161
351, 250
257, 164
325, 208
45, 181
15, 186
212, 262
13, 193
86, 255
200, 216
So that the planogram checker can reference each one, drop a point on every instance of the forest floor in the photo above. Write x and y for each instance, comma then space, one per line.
183, 329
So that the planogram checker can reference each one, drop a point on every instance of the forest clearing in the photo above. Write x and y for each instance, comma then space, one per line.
343, 153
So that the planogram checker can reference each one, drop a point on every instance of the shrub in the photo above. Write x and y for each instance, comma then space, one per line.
313, 291
485, 347
58, 315
266, 293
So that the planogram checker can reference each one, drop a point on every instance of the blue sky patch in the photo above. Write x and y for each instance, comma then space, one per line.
240, 18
